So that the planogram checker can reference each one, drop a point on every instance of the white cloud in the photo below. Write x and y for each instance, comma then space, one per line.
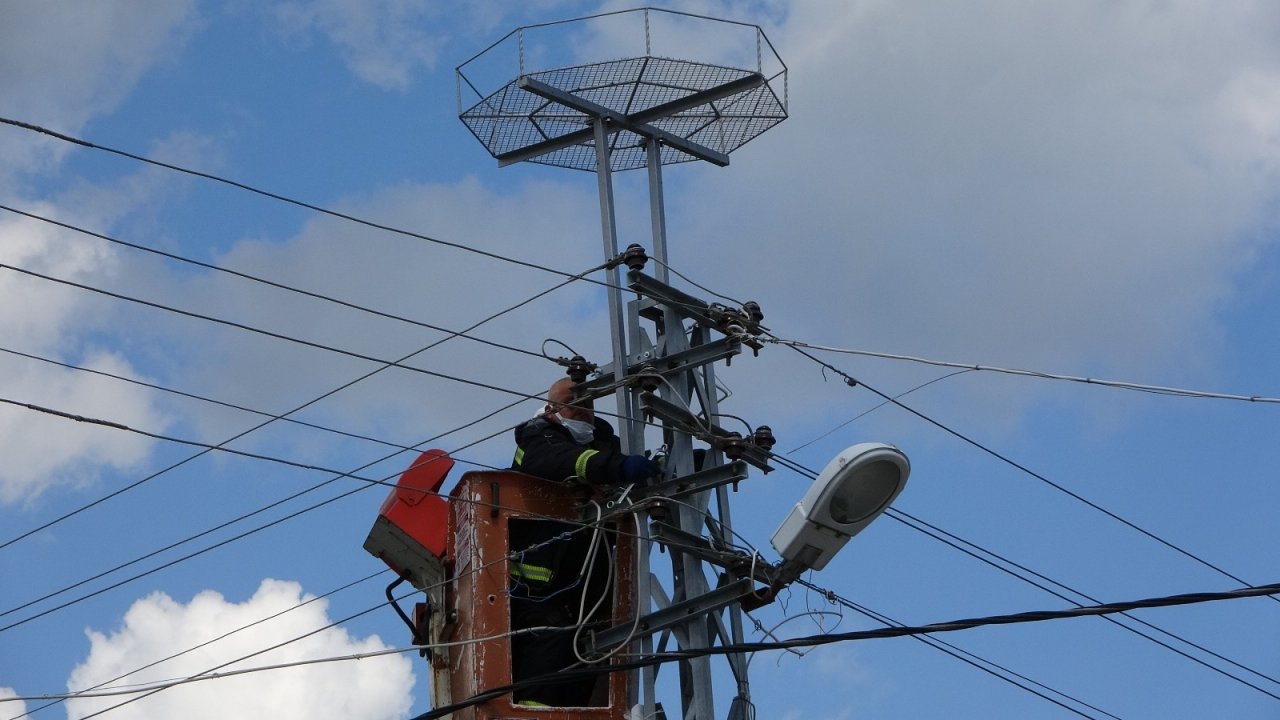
156, 627
38, 318
382, 42
63, 63
1066, 186
547, 223
17, 709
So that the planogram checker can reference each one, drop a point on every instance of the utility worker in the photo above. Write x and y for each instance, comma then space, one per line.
567, 440
549, 587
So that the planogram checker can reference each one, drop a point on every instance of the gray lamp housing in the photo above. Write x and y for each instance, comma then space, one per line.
850, 492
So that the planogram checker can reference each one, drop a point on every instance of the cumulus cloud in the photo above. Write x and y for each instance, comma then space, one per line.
40, 450
413, 279
157, 627
16, 709
1073, 187
68, 62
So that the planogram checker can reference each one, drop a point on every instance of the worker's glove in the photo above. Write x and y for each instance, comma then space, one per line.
637, 469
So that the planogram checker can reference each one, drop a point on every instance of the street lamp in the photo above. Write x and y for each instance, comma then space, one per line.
849, 493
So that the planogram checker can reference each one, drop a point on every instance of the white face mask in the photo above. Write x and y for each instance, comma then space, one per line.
582, 431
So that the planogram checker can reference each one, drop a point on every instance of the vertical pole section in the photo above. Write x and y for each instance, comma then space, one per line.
609, 231
657, 212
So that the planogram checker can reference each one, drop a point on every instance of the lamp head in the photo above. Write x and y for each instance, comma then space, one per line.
847, 496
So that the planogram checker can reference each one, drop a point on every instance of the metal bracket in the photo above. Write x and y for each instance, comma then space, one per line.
684, 421
696, 356
699, 481
670, 616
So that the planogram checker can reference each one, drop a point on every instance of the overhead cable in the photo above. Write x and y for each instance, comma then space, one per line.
342, 621
286, 199
56, 699
854, 382
1012, 677
954, 542
269, 283
1123, 385
202, 398
260, 331
992, 668
889, 632
297, 409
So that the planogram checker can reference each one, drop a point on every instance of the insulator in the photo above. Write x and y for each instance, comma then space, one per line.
578, 369
635, 257
648, 378
763, 437
752, 310
732, 446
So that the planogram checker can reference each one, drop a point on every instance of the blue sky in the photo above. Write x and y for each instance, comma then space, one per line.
1087, 189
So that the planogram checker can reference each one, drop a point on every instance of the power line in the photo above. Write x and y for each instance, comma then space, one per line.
286, 199
889, 632
964, 655
854, 382
906, 520
934, 528
1123, 385
582, 527
297, 409
269, 283
882, 403
977, 661
58, 699
937, 534
260, 331
202, 398
369, 482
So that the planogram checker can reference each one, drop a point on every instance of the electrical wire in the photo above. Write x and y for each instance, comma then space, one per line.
854, 382
987, 666
269, 283
288, 200
506, 558
338, 475
58, 699
908, 520
201, 398
295, 410
261, 331
1120, 384
868, 411
976, 660
937, 534
369, 482
889, 632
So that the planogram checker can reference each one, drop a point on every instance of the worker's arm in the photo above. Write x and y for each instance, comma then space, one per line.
545, 449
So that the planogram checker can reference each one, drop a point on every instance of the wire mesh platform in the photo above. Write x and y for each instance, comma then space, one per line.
696, 109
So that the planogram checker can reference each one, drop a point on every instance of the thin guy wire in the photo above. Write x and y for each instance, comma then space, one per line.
1120, 384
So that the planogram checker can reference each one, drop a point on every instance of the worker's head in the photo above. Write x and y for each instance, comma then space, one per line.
562, 403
